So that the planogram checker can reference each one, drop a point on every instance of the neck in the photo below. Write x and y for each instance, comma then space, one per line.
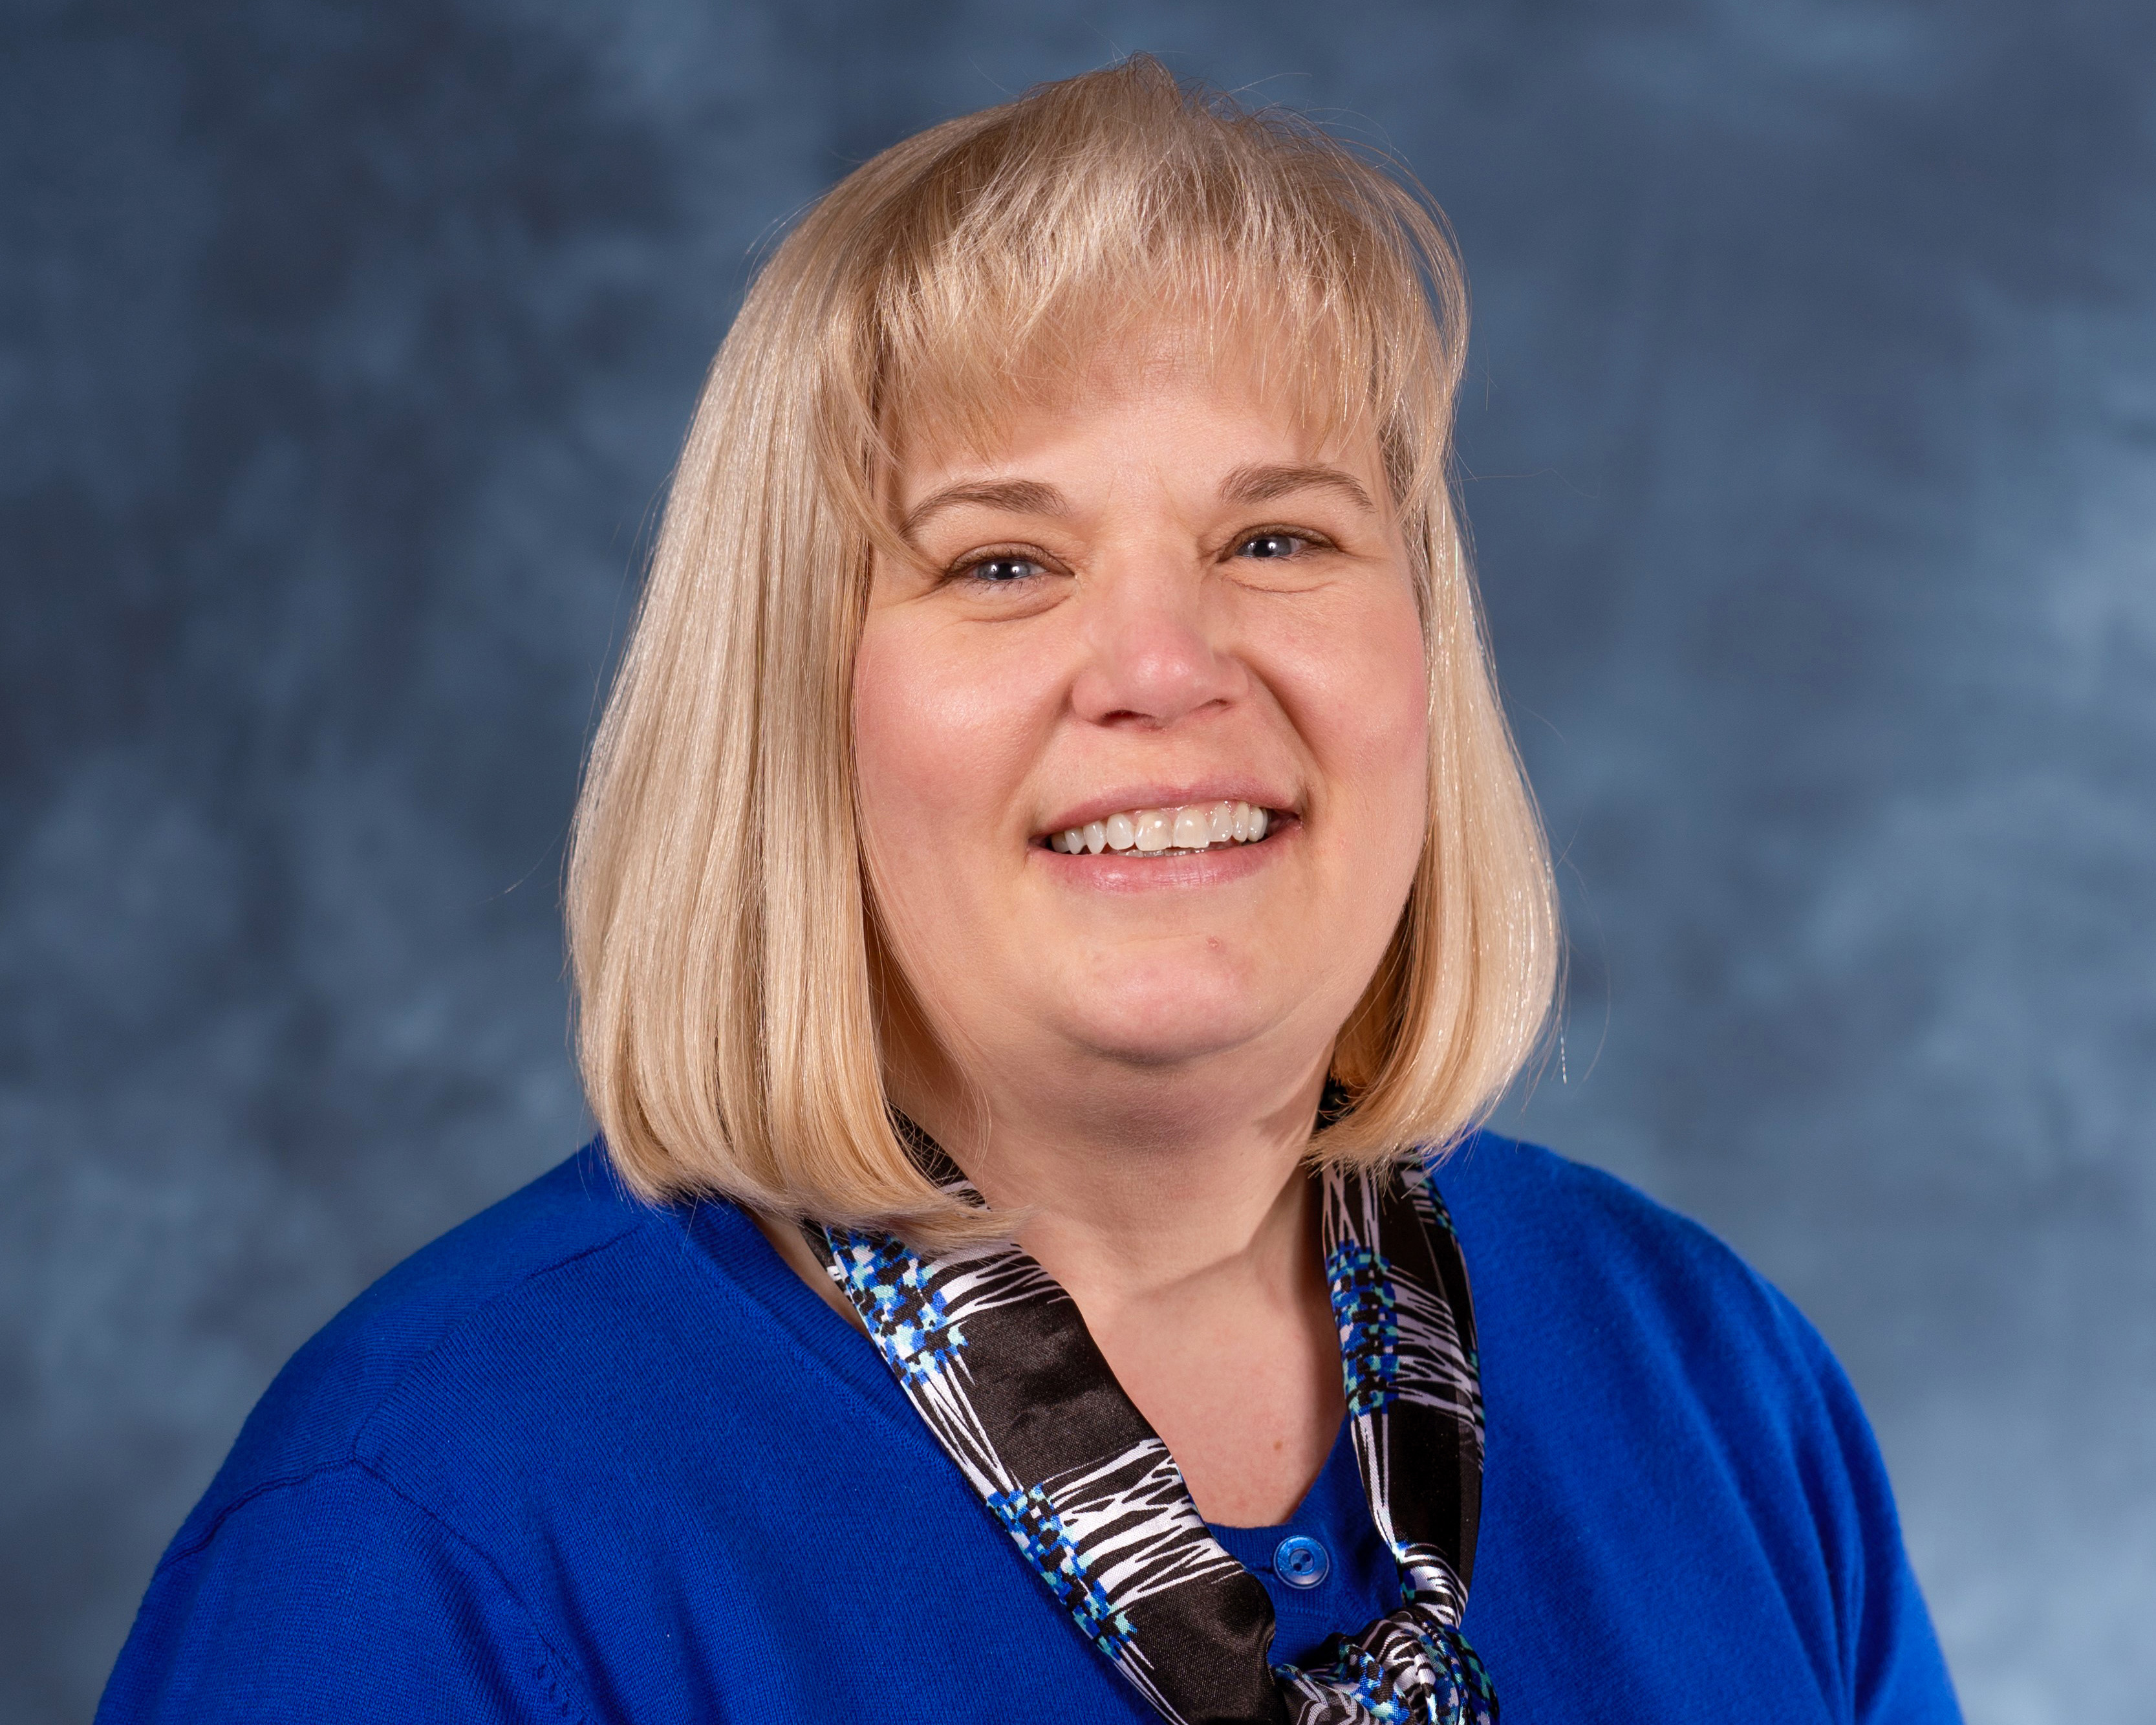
1172, 1206
1139, 1185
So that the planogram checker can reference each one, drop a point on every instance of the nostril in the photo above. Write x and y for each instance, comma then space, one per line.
1128, 687
1163, 719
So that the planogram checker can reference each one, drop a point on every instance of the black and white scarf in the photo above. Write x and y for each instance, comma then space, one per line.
996, 1359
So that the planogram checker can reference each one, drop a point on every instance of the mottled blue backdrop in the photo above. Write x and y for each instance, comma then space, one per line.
1812, 427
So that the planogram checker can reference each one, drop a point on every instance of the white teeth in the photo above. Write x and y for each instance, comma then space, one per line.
1194, 826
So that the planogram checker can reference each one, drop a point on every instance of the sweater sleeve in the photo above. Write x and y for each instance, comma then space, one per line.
1890, 1655
335, 1599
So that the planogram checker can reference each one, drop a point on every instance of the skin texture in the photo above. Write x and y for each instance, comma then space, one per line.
1155, 590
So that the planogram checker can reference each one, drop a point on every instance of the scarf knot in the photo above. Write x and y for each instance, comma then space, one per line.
1410, 1668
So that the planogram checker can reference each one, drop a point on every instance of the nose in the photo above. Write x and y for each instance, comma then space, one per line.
1156, 650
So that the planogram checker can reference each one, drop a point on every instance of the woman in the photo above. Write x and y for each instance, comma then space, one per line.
1052, 897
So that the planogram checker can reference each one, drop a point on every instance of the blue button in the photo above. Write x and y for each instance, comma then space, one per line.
1301, 1561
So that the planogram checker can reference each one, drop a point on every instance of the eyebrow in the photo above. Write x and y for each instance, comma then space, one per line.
1260, 483
1014, 496
1263, 483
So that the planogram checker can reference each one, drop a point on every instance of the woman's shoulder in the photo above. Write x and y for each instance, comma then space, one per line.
541, 1435
1590, 1294
1668, 1435
1600, 1248
533, 1316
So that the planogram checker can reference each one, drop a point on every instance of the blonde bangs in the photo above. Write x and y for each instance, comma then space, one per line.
1010, 249
720, 930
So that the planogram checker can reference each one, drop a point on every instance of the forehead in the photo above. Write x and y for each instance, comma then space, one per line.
1243, 395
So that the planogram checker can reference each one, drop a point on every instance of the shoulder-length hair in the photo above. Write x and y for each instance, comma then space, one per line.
721, 925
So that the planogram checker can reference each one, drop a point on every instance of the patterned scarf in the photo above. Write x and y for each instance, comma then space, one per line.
997, 1360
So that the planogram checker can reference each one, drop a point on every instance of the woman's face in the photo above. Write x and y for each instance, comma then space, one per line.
1154, 607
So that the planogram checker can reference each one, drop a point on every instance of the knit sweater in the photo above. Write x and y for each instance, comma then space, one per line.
587, 1459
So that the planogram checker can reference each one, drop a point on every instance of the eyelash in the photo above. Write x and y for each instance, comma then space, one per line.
1304, 540
969, 570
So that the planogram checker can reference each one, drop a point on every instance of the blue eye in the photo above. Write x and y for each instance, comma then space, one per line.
1271, 545
1003, 571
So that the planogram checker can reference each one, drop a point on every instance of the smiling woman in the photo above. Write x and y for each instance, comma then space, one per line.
1055, 379
1052, 899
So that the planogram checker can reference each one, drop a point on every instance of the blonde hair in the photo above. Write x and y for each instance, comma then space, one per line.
722, 936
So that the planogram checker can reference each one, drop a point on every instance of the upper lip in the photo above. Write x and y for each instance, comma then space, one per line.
1132, 798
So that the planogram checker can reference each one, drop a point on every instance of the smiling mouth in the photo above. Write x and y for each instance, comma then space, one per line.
1188, 830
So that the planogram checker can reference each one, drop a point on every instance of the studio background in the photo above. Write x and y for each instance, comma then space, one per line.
1811, 453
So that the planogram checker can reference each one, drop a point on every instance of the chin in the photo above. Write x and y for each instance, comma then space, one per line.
1165, 1020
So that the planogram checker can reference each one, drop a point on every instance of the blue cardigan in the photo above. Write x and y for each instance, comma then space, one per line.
581, 1459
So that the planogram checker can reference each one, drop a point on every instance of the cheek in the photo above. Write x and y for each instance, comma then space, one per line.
1366, 713
941, 739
